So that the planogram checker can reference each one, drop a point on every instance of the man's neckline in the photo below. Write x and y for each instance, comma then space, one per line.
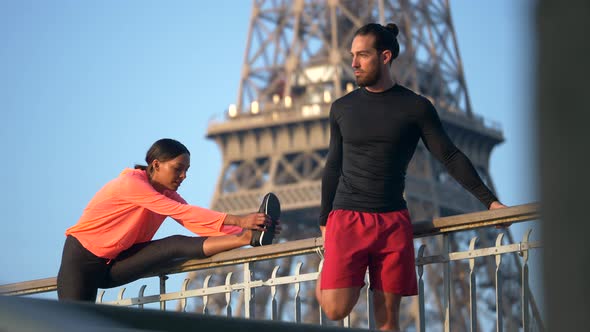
393, 87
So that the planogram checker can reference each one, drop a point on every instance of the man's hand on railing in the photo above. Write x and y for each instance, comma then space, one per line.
323, 229
498, 205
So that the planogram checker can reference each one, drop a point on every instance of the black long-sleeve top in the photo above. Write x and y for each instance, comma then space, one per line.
373, 137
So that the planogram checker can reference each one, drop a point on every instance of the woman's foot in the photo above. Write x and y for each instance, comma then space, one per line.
245, 236
272, 208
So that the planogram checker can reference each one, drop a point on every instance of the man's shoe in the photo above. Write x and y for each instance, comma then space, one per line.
272, 207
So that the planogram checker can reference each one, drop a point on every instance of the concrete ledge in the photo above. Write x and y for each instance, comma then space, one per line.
25, 314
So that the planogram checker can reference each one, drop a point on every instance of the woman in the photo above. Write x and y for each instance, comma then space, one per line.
111, 243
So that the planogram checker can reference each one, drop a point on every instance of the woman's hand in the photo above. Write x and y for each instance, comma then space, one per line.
256, 221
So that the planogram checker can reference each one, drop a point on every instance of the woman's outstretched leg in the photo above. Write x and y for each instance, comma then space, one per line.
146, 257
217, 244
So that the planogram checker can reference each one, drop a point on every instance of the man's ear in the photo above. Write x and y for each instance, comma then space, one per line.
386, 56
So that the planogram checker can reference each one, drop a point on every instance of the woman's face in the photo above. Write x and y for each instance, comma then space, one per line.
170, 174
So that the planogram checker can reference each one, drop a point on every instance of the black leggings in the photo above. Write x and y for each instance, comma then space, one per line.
81, 272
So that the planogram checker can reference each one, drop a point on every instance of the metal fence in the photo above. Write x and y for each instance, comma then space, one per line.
239, 296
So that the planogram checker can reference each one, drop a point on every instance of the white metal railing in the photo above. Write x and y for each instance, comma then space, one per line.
442, 228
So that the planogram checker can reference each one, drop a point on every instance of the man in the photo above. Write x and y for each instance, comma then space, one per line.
364, 220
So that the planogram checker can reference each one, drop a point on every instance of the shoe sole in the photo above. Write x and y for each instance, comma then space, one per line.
272, 207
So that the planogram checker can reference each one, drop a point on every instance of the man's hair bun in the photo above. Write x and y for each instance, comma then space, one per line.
392, 27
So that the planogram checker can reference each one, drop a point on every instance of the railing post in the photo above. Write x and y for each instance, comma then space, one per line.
499, 318
274, 313
140, 295
100, 296
121, 293
163, 279
248, 292
228, 309
525, 283
206, 297
447, 282
346, 321
472, 287
421, 310
370, 306
183, 289
323, 318
297, 297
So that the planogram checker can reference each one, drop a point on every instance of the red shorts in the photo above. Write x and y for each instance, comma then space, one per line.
383, 242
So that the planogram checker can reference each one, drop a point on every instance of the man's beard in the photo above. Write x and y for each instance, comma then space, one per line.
369, 80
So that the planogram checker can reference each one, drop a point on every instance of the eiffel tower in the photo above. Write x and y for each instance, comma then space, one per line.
275, 137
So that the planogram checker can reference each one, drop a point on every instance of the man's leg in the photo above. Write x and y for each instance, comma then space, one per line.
392, 270
337, 303
347, 240
386, 309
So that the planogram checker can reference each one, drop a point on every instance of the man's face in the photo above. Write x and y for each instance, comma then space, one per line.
366, 61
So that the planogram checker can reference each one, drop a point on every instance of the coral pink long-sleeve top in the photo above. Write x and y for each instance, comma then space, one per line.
128, 210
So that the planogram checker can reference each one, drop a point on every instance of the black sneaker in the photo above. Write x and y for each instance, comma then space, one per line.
272, 207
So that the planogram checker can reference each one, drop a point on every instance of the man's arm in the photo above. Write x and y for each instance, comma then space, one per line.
332, 169
457, 164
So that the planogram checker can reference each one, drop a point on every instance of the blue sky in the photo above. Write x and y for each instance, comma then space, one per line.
87, 86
